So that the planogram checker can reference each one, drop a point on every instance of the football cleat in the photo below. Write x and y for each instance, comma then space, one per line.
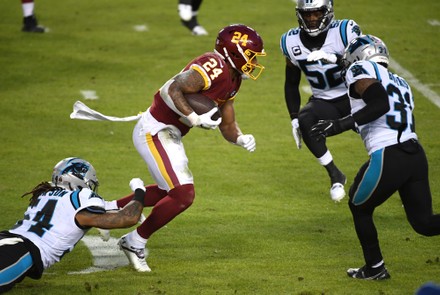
368, 273
136, 256
30, 25
199, 31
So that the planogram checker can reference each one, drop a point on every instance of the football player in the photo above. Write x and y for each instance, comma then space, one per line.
158, 134
188, 11
59, 214
382, 107
315, 48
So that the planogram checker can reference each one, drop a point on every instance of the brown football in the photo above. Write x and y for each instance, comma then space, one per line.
202, 104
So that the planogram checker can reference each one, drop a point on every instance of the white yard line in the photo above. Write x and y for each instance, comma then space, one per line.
106, 255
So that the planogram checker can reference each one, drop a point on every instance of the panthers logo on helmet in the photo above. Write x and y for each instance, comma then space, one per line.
75, 173
366, 47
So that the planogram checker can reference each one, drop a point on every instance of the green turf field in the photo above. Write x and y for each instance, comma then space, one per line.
262, 223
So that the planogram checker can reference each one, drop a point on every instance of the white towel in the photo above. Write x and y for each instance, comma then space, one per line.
83, 112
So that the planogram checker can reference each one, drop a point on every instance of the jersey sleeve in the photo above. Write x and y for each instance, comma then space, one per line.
349, 30
286, 45
362, 70
87, 199
210, 66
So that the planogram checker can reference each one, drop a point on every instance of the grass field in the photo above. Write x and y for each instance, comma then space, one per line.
262, 223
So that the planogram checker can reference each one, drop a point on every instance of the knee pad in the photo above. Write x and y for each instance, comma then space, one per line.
185, 194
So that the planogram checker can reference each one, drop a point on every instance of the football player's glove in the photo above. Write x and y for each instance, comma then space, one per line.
247, 141
296, 132
137, 183
326, 128
322, 55
204, 121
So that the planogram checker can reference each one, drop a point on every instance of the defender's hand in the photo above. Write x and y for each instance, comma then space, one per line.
322, 55
326, 128
296, 132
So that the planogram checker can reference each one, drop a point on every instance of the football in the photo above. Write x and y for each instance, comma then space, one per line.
202, 104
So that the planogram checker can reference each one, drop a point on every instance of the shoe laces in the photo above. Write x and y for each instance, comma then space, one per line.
140, 253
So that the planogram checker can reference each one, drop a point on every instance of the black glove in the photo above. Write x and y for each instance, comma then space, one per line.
326, 128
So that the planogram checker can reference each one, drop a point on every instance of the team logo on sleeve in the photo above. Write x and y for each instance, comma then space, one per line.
357, 70
357, 30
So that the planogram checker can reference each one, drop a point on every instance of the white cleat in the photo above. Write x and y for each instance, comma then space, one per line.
136, 256
337, 192
104, 233
199, 31
185, 12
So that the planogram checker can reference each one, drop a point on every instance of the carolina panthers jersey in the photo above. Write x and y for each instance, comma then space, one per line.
50, 224
324, 78
399, 121
219, 86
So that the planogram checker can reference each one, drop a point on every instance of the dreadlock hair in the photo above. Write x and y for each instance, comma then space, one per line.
43, 187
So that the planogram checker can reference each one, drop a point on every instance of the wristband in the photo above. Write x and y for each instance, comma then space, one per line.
346, 123
193, 118
139, 195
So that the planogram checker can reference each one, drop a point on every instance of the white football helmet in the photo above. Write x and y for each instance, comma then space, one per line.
366, 47
314, 27
75, 173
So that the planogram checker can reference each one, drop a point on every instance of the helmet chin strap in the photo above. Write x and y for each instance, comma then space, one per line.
229, 58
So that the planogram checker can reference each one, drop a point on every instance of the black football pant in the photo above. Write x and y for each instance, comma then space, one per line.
319, 109
403, 168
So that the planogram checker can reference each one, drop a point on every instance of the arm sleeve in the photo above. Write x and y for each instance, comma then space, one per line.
291, 90
376, 100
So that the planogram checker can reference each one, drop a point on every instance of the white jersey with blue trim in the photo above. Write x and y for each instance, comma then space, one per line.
324, 78
50, 224
384, 131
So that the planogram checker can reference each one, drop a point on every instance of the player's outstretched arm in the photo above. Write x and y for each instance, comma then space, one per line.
126, 217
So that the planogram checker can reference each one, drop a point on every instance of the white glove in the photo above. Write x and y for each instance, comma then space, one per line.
137, 183
296, 132
320, 54
204, 120
247, 141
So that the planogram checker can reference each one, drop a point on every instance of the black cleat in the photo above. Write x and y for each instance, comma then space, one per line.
368, 273
30, 25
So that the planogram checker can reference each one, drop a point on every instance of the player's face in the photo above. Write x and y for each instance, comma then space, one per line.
312, 18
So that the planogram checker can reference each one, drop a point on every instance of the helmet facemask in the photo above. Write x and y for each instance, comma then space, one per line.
322, 10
